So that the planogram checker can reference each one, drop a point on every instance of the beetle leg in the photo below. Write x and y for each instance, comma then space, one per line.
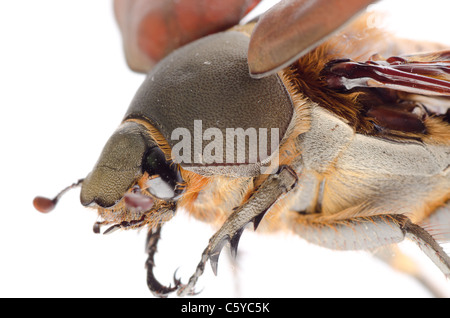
394, 257
253, 210
153, 236
428, 245
370, 233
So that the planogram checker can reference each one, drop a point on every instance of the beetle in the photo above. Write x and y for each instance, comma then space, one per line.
358, 156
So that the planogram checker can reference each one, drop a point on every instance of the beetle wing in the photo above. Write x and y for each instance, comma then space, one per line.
426, 74
151, 29
402, 83
301, 25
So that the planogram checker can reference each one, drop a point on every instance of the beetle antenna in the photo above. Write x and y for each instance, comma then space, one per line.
45, 205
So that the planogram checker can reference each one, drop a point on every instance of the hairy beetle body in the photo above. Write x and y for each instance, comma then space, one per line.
349, 171
343, 147
375, 174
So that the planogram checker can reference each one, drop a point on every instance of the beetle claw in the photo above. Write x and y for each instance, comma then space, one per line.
153, 284
159, 290
257, 219
186, 290
234, 242
176, 280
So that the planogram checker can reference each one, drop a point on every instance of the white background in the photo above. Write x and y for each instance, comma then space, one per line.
64, 87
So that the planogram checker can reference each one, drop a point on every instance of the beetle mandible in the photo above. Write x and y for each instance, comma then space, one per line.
340, 138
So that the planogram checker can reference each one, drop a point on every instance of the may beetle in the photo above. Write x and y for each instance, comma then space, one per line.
316, 127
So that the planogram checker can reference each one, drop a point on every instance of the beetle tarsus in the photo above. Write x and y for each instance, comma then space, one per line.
153, 284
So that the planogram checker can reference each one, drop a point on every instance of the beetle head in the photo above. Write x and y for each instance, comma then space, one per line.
131, 178
138, 175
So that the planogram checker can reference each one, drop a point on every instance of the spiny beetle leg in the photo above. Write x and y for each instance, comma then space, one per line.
234, 242
428, 245
155, 287
215, 253
275, 186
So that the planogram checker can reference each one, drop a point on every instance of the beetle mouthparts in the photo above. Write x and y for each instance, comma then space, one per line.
138, 201
46, 205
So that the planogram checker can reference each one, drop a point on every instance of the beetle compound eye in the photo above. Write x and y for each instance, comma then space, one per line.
165, 176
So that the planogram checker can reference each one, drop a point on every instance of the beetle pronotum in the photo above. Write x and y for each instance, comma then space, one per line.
363, 152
